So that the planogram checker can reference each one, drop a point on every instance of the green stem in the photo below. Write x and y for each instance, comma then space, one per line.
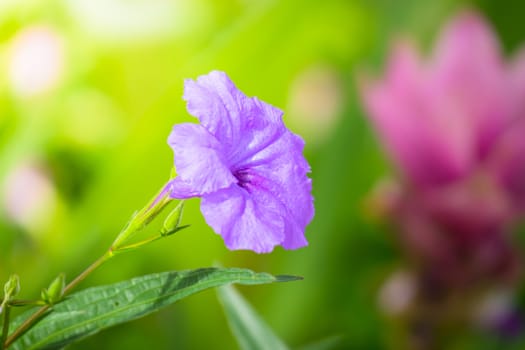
143, 217
137, 222
5, 327
22, 302
128, 247
29, 322
108, 255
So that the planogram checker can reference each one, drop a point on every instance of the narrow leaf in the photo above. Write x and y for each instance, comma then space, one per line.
91, 310
251, 332
333, 342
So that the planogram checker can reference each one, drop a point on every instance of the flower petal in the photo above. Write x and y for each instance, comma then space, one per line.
215, 100
247, 167
262, 126
470, 79
429, 146
507, 163
244, 220
199, 161
182, 190
241, 124
280, 171
517, 81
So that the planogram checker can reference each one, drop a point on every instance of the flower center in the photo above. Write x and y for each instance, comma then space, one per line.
244, 178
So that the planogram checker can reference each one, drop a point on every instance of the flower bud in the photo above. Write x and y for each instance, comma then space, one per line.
172, 222
55, 291
11, 287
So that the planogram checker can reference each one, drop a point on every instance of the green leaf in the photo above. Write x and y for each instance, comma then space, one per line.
89, 311
251, 332
333, 342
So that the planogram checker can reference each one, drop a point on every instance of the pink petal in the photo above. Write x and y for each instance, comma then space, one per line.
516, 77
429, 147
507, 163
469, 79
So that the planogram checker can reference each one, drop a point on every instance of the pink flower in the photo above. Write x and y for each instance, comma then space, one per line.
455, 127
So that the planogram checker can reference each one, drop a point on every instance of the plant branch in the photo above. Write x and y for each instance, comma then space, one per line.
29, 322
5, 327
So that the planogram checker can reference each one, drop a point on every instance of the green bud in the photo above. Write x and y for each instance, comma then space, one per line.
45, 296
11, 287
54, 293
143, 217
172, 222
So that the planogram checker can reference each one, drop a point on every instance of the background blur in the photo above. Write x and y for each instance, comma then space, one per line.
89, 90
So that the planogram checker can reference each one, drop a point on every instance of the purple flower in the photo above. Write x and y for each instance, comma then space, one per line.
245, 164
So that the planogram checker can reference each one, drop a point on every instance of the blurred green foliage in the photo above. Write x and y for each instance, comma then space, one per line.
96, 140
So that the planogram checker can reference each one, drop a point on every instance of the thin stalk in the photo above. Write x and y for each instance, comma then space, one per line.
142, 218
107, 255
40, 312
139, 244
137, 222
22, 302
5, 327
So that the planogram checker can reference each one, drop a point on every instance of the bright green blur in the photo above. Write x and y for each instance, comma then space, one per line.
79, 155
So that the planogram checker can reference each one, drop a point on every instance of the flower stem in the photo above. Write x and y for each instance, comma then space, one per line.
133, 246
29, 322
23, 302
140, 220
107, 255
5, 327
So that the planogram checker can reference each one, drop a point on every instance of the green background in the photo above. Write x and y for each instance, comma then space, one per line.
100, 138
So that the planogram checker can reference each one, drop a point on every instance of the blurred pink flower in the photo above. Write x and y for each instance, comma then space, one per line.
29, 197
36, 61
455, 127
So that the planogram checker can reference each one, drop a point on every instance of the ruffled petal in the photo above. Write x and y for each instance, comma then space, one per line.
199, 161
214, 99
262, 126
247, 167
245, 220
241, 124
280, 170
